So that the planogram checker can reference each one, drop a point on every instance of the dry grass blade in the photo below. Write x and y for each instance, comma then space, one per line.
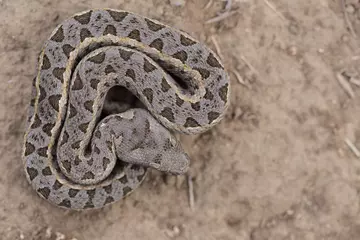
191, 192
239, 78
347, 20
272, 7
352, 147
345, 85
208, 5
249, 65
221, 17
217, 47
228, 5
355, 81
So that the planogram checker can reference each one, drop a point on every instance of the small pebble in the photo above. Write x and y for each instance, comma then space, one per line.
294, 28
350, 8
177, 3
345, 38
293, 50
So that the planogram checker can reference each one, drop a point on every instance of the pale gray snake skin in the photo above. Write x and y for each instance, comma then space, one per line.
76, 158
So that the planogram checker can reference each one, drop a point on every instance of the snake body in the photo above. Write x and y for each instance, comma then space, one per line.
76, 158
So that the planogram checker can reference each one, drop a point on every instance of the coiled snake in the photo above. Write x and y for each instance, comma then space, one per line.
71, 149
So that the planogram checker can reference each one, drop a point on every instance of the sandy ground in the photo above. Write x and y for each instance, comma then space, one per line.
276, 168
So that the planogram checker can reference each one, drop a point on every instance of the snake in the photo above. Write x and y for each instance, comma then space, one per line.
77, 157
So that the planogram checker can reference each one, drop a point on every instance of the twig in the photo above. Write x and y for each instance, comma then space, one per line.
217, 47
220, 17
208, 5
347, 20
272, 7
191, 192
355, 81
352, 147
345, 85
228, 5
239, 78
249, 65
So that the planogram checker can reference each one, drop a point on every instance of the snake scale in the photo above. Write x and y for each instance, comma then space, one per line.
77, 158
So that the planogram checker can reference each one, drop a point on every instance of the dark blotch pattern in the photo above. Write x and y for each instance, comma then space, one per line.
42, 94
76, 145
126, 191
67, 165
72, 112
94, 83
54, 101
212, 116
36, 123
196, 106
46, 171
213, 62
165, 86
67, 49
117, 16
72, 192
77, 160
135, 34
57, 185
168, 114
203, 72
106, 162
148, 67
42, 152
124, 179
108, 189
65, 203
88, 175
109, 69
59, 35
65, 138
181, 55
185, 41
45, 192
78, 84
97, 134
109, 200
32, 172
131, 74
110, 29
125, 54
59, 73
179, 101
83, 127
88, 105
46, 63
98, 58
153, 26
208, 95
149, 94
85, 33
47, 128
96, 150
157, 44
29, 148
190, 122
90, 162
83, 18
223, 92
89, 204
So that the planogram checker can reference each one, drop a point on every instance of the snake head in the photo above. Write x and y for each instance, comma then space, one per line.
173, 159
150, 144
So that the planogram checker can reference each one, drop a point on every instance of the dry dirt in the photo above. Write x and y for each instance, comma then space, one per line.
276, 168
